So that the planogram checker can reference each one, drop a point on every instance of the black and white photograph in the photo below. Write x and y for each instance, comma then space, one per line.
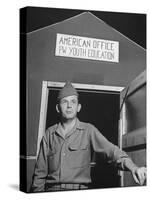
82, 99
74, 106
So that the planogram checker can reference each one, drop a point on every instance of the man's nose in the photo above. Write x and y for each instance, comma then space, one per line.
69, 105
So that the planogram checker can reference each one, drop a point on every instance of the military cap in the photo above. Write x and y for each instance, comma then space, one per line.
67, 90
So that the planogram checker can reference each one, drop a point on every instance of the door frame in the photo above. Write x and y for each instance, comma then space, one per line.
46, 85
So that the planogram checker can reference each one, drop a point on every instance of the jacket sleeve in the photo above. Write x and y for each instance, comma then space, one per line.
41, 168
111, 152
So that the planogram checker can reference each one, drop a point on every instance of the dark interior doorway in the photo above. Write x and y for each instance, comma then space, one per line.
102, 110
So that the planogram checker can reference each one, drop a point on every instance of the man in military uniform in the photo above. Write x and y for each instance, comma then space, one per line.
64, 158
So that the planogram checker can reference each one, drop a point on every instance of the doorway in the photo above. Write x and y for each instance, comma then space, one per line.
101, 107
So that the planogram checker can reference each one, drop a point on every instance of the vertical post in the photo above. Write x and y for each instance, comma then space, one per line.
120, 173
122, 131
43, 112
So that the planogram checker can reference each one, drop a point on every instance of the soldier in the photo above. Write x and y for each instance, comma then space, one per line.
64, 158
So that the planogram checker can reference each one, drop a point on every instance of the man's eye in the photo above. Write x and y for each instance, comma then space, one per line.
63, 102
74, 101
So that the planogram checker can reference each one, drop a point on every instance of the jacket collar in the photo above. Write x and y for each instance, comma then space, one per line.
79, 125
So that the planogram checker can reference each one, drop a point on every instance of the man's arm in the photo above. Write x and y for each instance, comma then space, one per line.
138, 173
114, 155
41, 169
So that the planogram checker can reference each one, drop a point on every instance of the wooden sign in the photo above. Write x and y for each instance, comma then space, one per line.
87, 48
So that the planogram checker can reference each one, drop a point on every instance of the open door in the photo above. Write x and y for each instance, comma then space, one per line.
133, 124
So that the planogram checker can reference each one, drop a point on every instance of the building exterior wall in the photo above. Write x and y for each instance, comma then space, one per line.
42, 64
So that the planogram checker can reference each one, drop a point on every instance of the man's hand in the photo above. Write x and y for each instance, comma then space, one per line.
139, 175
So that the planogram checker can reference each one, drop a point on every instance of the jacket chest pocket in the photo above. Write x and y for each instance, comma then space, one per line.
52, 161
79, 155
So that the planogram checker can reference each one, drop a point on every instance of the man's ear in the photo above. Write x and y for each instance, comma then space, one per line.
79, 107
57, 108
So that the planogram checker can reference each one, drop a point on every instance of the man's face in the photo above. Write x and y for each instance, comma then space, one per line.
68, 107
